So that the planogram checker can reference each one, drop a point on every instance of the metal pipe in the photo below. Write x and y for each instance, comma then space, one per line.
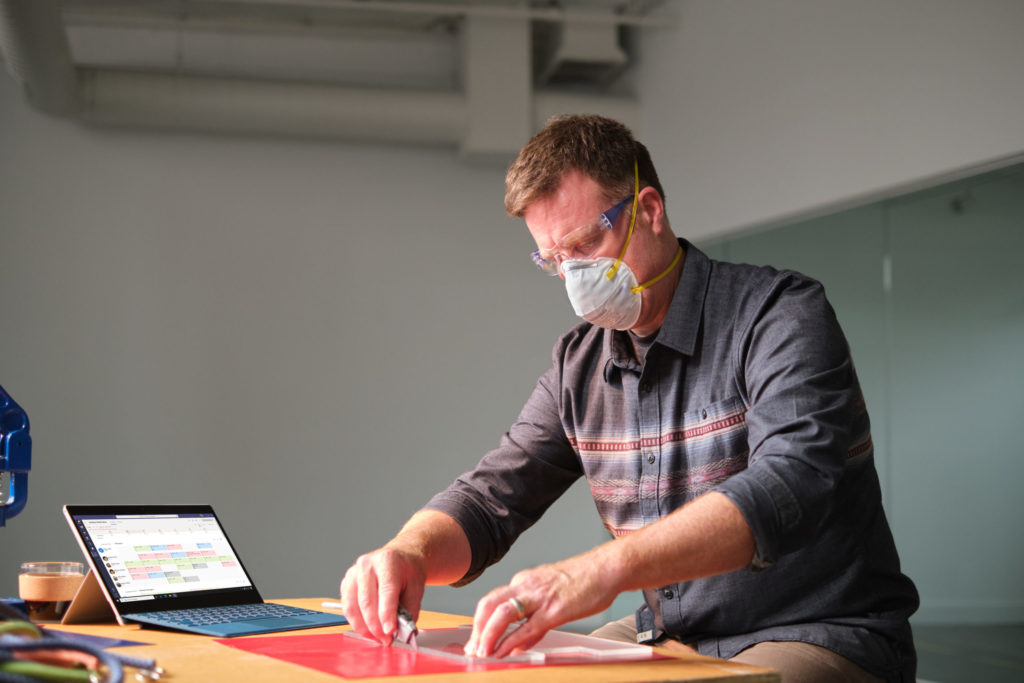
550, 14
304, 110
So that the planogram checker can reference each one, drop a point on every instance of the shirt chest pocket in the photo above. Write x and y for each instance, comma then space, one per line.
707, 448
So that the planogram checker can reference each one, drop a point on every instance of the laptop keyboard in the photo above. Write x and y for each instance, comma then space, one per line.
206, 616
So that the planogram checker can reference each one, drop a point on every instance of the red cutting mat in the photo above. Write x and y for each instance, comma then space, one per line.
349, 657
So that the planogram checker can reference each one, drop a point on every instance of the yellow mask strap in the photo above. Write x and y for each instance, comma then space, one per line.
632, 221
640, 288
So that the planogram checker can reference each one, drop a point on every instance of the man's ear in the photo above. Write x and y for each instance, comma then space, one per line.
652, 206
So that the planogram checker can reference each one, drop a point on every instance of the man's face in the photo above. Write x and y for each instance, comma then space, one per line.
561, 221
651, 250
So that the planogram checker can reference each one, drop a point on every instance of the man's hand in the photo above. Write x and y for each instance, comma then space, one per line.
376, 585
707, 536
549, 596
430, 548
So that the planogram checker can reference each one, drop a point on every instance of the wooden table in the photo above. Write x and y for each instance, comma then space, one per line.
187, 658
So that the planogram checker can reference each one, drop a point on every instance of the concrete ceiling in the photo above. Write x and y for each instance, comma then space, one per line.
482, 72
376, 42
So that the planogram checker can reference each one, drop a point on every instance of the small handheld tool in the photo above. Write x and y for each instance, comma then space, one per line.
407, 630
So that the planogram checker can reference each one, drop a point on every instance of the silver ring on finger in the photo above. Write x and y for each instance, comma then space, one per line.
518, 606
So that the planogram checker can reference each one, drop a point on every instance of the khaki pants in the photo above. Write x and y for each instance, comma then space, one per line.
796, 662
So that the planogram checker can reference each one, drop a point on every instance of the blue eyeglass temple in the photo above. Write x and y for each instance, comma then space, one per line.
608, 218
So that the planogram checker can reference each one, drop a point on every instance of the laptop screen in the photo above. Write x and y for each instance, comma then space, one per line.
161, 557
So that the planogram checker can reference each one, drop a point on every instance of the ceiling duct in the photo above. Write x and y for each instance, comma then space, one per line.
577, 51
489, 116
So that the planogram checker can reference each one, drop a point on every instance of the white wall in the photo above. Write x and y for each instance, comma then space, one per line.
759, 112
316, 337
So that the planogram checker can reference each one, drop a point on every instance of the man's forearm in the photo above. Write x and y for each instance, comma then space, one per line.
707, 536
440, 541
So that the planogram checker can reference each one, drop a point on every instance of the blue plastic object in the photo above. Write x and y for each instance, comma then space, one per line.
16, 604
15, 457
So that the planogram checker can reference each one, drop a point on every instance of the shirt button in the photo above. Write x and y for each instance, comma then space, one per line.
650, 458
703, 414
668, 594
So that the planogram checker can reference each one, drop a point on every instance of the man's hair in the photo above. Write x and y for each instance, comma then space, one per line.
598, 147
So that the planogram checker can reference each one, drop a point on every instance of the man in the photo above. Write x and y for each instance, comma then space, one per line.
716, 414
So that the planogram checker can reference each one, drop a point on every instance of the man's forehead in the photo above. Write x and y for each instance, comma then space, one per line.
577, 195
578, 183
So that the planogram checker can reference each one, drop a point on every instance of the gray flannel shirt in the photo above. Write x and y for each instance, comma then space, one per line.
748, 389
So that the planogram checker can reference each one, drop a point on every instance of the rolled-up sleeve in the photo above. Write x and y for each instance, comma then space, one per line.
514, 484
802, 415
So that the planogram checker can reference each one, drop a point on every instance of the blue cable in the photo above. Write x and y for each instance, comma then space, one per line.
114, 663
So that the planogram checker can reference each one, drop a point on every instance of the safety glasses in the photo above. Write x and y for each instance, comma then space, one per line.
581, 243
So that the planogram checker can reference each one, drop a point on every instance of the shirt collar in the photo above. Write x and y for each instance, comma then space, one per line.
682, 322
619, 354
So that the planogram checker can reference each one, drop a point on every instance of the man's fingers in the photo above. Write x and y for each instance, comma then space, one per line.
350, 603
367, 600
481, 617
503, 616
387, 600
363, 594
412, 599
495, 613
522, 638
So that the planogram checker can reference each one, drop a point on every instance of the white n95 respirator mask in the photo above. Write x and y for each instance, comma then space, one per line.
612, 302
